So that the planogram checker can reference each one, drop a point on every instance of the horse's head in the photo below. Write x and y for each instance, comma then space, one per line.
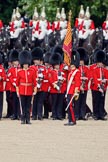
75, 38
99, 37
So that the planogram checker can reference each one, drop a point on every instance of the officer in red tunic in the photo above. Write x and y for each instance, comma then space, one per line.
73, 86
25, 85
80, 104
56, 80
40, 71
100, 78
2, 79
12, 75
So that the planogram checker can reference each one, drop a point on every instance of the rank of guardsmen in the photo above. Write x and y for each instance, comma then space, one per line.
40, 85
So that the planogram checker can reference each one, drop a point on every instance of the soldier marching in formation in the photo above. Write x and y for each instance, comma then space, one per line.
37, 80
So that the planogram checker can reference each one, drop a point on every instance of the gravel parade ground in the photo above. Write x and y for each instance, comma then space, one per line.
51, 141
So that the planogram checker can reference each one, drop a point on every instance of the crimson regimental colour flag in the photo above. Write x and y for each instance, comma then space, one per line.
67, 45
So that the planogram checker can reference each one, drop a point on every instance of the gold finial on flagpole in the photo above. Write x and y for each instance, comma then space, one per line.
70, 15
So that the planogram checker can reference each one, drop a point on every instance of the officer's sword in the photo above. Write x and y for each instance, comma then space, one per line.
71, 101
20, 105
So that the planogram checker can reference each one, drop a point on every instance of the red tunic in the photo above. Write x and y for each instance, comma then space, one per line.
46, 84
84, 70
91, 68
8, 83
40, 72
12, 78
65, 69
2, 78
97, 77
26, 81
54, 77
76, 81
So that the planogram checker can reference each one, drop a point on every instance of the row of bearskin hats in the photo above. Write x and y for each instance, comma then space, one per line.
55, 57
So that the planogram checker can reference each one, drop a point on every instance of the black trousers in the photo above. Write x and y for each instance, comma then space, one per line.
98, 104
1, 104
80, 105
57, 104
9, 103
25, 105
16, 106
71, 113
47, 104
38, 105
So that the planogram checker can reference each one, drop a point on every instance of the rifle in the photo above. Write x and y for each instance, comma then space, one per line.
102, 84
57, 85
40, 78
83, 81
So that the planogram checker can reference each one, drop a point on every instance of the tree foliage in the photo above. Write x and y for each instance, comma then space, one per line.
98, 8
6, 8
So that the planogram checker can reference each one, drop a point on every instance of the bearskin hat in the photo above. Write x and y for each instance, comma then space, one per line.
93, 56
37, 53
13, 56
99, 56
55, 59
83, 55
25, 57
46, 57
58, 49
75, 59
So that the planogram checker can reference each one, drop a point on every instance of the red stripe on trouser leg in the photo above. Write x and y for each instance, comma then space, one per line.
72, 113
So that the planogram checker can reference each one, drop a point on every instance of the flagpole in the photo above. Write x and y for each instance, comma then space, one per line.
70, 15
67, 44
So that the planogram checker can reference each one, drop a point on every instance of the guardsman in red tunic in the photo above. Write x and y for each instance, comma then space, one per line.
40, 71
79, 20
12, 75
65, 70
2, 79
47, 96
56, 80
25, 85
100, 79
80, 104
8, 92
73, 86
